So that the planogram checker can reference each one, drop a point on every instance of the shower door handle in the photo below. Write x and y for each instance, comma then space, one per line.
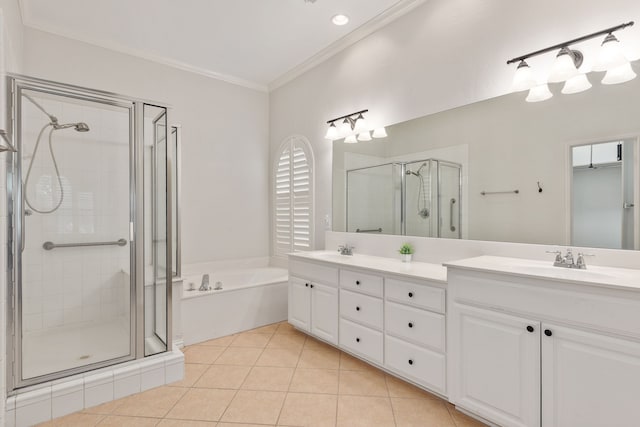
626, 205
451, 203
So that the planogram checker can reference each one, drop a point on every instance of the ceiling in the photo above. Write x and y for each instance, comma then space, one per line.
256, 43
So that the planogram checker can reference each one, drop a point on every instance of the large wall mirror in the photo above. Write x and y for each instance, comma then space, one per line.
564, 171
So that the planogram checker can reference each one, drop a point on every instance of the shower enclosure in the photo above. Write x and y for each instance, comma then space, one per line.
417, 198
89, 261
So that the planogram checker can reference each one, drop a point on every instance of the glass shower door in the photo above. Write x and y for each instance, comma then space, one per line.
74, 274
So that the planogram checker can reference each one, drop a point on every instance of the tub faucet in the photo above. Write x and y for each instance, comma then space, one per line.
205, 283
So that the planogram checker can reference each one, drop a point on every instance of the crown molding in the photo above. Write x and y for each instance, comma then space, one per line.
389, 15
144, 55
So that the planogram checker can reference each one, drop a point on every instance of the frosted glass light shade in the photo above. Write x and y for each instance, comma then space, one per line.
380, 133
611, 55
364, 136
345, 128
576, 84
539, 93
332, 133
523, 79
618, 75
361, 124
351, 139
563, 68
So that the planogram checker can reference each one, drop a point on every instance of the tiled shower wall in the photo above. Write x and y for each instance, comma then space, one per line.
69, 286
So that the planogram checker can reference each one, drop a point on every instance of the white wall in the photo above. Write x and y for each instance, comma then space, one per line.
444, 54
224, 136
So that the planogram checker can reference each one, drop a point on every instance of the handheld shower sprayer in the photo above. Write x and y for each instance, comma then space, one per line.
54, 125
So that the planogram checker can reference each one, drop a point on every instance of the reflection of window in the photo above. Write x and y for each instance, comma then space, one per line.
293, 197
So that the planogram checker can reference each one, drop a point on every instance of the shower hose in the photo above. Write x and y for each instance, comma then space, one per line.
55, 166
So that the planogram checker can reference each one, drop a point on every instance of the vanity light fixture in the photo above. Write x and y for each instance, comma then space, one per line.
353, 128
351, 139
379, 133
364, 136
568, 62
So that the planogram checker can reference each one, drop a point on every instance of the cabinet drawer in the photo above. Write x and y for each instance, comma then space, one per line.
425, 367
314, 272
367, 283
420, 295
361, 308
361, 340
420, 326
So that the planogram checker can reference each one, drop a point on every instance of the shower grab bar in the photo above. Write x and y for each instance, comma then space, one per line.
487, 193
376, 230
451, 226
50, 245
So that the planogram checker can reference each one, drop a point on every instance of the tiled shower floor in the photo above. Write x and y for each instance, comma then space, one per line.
275, 376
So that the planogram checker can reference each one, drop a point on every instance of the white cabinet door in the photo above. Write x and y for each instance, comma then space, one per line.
324, 312
300, 303
496, 372
588, 379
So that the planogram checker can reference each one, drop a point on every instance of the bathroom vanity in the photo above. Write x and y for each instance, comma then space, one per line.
515, 342
530, 344
388, 313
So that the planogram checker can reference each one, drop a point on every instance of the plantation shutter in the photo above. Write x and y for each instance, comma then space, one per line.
293, 227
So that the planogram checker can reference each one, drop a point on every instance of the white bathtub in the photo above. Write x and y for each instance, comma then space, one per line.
249, 298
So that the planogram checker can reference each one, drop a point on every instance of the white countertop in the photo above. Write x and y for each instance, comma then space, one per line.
413, 270
593, 275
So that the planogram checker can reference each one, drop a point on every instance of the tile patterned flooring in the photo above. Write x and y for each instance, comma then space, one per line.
275, 376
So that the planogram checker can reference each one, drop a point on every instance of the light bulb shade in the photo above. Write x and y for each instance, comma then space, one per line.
351, 139
361, 124
618, 75
539, 93
523, 79
380, 133
364, 136
611, 55
576, 84
332, 132
563, 67
344, 129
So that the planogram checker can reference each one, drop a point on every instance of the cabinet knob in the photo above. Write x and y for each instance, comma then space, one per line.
306, 284
357, 308
357, 339
311, 285
548, 332
410, 294
410, 362
530, 328
357, 282
411, 324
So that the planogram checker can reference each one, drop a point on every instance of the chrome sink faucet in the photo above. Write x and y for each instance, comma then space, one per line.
568, 261
346, 249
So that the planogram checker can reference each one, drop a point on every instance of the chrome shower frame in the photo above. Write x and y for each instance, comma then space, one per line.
16, 84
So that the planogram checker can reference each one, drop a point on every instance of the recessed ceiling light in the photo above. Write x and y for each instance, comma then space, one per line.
340, 19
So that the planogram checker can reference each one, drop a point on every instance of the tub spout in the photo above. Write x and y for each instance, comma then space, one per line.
205, 283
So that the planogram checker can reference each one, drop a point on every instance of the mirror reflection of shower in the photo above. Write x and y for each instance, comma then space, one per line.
52, 126
423, 210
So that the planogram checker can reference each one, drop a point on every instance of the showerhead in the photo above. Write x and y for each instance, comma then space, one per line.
79, 127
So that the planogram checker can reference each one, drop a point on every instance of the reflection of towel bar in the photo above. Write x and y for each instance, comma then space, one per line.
50, 245
487, 193
377, 230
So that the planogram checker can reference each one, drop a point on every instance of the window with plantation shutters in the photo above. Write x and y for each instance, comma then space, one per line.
293, 197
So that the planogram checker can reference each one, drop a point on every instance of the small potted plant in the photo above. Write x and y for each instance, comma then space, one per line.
406, 251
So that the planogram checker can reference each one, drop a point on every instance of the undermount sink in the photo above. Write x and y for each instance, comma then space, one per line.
544, 270
331, 256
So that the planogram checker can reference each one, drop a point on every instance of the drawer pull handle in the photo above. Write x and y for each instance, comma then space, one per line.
548, 332
357, 308
306, 284
530, 328
357, 339
410, 362
357, 282
410, 294
311, 286
411, 324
